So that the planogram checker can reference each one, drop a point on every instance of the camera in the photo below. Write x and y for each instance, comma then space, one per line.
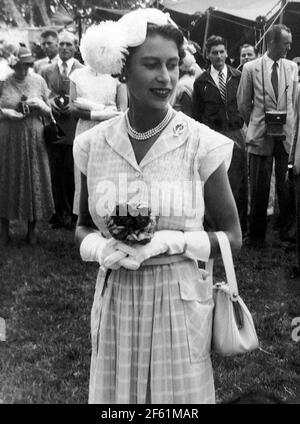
275, 120
62, 101
23, 106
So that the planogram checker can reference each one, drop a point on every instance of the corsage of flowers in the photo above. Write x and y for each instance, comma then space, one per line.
131, 224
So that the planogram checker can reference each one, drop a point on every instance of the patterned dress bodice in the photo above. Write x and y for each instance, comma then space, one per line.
169, 179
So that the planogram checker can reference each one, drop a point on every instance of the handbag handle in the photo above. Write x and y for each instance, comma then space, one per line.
52, 117
227, 261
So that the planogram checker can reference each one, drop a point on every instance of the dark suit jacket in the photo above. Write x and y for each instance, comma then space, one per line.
208, 106
57, 85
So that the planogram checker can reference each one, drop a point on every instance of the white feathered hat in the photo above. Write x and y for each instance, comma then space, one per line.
104, 46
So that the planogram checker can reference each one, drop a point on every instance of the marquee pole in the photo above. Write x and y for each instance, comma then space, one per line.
208, 16
283, 4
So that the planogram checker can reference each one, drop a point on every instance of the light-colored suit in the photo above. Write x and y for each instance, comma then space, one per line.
251, 102
295, 151
42, 63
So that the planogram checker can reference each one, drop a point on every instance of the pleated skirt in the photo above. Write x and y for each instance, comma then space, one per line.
25, 181
151, 336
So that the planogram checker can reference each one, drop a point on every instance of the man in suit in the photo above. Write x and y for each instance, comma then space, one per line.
214, 104
61, 156
49, 43
268, 83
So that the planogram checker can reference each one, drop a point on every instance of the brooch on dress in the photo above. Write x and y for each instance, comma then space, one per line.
179, 128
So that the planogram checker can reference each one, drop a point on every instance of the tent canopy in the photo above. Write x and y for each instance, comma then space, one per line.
225, 21
246, 10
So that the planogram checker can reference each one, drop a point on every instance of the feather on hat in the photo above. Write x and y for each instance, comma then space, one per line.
104, 47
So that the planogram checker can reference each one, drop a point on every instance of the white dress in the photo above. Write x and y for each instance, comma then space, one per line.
151, 328
99, 88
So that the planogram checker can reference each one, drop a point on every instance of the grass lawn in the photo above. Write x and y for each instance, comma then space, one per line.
46, 295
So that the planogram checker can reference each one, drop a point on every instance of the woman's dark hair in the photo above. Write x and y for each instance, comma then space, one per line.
168, 32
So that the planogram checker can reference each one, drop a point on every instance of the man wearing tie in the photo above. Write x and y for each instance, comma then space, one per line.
214, 104
61, 155
49, 43
268, 84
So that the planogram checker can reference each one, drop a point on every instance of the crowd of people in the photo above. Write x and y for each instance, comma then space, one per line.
80, 98
163, 118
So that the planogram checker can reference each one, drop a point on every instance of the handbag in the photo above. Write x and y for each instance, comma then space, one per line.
53, 133
233, 329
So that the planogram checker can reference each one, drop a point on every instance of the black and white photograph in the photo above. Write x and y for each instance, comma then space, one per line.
149, 205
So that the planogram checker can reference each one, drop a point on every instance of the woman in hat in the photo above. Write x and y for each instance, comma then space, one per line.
151, 319
25, 184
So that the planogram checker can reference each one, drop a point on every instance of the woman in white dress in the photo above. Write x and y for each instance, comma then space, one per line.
94, 97
151, 319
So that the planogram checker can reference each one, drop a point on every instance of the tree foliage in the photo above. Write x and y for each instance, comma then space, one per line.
39, 12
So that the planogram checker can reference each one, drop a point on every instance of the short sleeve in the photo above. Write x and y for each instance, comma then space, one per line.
45, 92
214, 149
81, 151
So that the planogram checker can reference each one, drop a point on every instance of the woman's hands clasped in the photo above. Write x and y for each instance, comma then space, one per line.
131, 257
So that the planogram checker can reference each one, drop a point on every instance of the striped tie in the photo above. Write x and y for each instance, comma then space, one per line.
222, 86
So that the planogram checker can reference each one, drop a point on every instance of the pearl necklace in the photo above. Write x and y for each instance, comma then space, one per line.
142, 136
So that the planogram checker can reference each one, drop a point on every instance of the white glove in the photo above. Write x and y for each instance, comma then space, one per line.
86, 104
95, 248
192, 244
197, 245
103, 115
12, 114
165, 241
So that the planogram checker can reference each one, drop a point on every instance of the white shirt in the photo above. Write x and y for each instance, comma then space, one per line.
53, 60
269, 63
69, 63
215, 74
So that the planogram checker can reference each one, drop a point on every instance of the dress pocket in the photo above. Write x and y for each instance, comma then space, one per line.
196, 296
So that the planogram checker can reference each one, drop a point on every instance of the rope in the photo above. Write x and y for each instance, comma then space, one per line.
266, 32
274, 7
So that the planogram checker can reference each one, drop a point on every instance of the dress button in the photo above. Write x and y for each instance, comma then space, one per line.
138, 175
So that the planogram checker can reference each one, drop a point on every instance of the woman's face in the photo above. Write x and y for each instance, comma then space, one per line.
21, 70
152, 72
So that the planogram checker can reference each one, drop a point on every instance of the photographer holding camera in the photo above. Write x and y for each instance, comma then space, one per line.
25, 183
266, 99
61, 156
